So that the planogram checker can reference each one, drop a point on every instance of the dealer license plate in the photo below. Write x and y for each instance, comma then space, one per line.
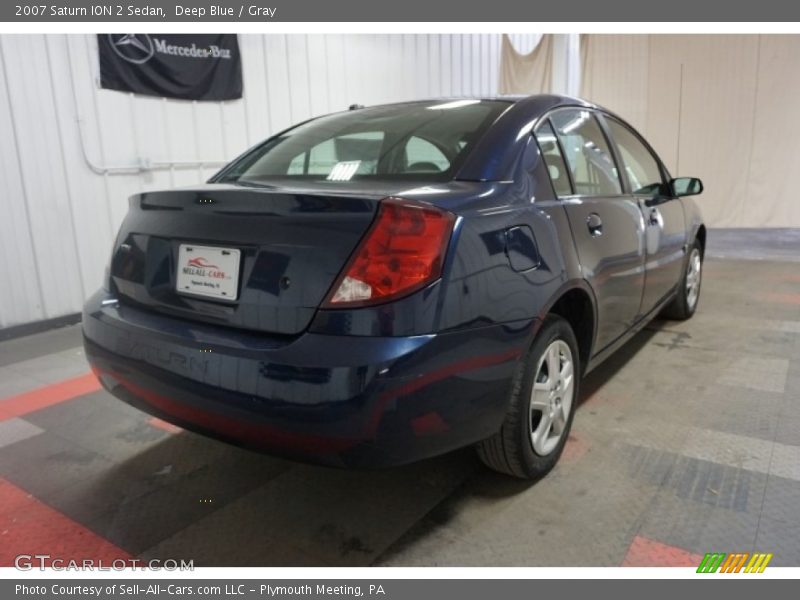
208, 271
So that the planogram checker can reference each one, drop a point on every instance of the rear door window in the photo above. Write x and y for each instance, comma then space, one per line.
556, 167
594, 172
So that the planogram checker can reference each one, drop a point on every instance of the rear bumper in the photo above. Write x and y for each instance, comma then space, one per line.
339, 400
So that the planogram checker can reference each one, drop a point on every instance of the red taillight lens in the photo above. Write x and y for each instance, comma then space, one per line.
402, 252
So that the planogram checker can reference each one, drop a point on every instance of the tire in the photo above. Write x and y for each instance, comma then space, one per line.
516, 449
685, 302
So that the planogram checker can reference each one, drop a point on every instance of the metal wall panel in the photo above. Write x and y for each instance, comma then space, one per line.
20, 296
71, 153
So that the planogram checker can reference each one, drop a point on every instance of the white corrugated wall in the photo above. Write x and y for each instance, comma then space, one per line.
71, 153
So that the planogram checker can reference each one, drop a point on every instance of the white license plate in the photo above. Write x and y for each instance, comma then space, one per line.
208, 271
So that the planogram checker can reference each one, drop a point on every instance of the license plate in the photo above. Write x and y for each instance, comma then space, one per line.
208, 271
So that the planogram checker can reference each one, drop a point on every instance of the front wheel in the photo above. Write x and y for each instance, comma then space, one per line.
685, 302
541, 406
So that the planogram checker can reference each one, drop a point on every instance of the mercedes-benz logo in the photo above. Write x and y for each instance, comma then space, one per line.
136, 48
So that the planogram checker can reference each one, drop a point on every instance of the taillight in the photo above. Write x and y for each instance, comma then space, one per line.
402, 252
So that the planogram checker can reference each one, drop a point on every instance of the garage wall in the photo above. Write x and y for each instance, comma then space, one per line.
71, 154
720, 107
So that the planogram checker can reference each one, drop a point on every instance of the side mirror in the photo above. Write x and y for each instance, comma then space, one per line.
686, 186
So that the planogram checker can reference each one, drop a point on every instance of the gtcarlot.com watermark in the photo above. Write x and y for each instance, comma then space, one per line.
29, 562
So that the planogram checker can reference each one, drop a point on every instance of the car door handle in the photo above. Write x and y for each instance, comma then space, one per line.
655, 219
595, 224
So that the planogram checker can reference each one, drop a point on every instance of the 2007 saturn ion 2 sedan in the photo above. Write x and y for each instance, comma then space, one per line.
390, 283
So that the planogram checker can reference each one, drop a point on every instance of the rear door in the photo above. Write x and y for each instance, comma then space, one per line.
665, 231
606, 223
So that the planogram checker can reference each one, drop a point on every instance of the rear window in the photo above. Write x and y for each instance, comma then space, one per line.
424, 140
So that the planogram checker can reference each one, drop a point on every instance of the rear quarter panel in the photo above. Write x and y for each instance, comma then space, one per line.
482, 286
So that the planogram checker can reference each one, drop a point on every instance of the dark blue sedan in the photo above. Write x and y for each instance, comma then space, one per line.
390, 283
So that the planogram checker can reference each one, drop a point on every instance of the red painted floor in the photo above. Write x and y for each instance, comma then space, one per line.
644, 552
29, 527
27, 402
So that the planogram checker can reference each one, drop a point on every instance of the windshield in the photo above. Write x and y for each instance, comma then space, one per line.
423, 140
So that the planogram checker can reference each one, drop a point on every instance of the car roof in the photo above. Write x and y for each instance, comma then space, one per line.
553, 99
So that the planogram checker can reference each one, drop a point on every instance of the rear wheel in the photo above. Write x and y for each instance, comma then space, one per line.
685, 302
541, 406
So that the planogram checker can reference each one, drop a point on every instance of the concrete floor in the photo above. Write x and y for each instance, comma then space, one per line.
754, 244
685, 442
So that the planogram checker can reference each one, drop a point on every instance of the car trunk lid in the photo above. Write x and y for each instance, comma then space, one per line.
260, 259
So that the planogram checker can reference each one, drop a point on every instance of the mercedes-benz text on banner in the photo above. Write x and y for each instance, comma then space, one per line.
189, 67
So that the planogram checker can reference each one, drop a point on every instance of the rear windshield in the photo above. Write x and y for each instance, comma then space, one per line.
425, 141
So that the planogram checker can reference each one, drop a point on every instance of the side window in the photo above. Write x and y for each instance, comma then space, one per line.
424, 157
591, 164
640, 166
553, 159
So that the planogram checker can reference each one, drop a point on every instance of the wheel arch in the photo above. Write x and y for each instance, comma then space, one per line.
576, 304
700, 236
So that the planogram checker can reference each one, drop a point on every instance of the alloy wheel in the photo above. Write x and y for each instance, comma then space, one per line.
551, 397
693, 278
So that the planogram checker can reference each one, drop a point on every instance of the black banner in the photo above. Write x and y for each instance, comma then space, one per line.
185, 66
